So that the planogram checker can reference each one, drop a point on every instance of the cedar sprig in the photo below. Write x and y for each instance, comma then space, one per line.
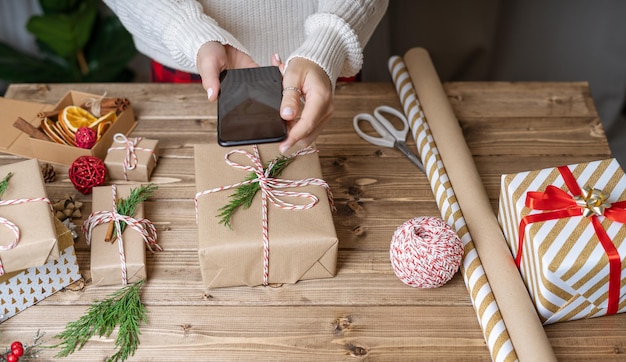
4, 184
128, 206
123, 310
244, 194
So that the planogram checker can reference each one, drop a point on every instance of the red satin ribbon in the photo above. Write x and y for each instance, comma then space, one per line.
564, 205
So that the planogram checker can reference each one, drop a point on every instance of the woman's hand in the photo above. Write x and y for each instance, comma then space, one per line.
213, 58
307, 111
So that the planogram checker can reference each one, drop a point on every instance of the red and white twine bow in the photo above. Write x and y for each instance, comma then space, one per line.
131, 159
271, 190
143, 226
14, 228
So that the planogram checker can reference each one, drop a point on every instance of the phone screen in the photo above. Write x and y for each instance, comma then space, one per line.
248, 107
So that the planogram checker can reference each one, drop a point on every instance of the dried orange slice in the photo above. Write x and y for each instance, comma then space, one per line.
48, 127
107, 118
101, 128
75, 117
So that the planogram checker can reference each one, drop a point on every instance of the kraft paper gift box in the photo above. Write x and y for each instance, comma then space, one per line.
302, 243
131, 159
16, 142
569, 220
29, 209
106, 266
22, 289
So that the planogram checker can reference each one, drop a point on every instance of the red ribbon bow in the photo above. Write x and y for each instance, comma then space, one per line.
559, 204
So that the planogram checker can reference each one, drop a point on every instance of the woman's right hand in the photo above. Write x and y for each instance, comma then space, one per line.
214, 57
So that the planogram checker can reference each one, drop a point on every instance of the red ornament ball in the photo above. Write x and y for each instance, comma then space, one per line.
12, 358
85, 137
425, 252
17, 349
86, 173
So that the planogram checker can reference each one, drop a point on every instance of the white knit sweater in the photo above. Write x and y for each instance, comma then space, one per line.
331, 33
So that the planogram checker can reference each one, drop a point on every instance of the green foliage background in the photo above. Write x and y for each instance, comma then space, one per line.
80, 43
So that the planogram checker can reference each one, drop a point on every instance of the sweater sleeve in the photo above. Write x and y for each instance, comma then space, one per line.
171, 29
336, 35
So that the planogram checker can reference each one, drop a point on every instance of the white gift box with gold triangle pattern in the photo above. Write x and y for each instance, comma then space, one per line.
563, 263
23, 289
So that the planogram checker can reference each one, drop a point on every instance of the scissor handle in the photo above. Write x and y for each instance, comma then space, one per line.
398, 134
385, 139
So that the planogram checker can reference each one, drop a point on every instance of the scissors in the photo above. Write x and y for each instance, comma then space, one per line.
390, 136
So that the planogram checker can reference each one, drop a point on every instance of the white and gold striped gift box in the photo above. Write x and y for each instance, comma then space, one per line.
563, 263
487, 310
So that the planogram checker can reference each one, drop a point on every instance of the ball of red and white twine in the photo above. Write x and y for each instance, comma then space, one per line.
425, 252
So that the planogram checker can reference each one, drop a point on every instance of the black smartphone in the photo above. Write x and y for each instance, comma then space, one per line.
248, 107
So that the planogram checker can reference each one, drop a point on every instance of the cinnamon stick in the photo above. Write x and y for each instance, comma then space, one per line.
109, 234
30, 130
48, 114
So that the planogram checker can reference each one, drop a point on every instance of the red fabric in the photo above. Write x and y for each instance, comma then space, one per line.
162, 74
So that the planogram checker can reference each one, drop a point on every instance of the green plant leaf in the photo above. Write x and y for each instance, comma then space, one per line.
65, 33
58, 6
17, 67
109, 51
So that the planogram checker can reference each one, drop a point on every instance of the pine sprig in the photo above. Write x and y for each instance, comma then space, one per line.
122, 309
4, 184
244, 194
128, 206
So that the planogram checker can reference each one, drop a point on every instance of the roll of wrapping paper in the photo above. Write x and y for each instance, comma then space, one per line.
483, 300
516, 310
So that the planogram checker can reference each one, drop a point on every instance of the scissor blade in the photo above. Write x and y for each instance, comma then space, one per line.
402, 147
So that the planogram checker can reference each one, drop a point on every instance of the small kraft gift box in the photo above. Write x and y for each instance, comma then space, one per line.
27, 232
36, 130
22, 289
131, 159
118, 257
566, 228
287, 232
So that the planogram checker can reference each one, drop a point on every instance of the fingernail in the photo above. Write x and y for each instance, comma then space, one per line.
209, 93
283, 148
288, 112
277, 58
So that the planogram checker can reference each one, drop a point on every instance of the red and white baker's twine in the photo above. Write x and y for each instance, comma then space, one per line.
130, 160
271, 190
14, 228
143, 226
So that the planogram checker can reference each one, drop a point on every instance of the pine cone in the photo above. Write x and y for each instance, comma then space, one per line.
48, 173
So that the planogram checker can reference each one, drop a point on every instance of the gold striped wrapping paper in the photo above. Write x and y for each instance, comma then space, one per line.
483, 300
564, 264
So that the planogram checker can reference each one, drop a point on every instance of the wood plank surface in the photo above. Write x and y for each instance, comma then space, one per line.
365, 312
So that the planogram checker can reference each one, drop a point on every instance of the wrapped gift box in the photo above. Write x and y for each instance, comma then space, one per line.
303, 243
565, 244
106, 266
37, 243
131, 159
22, 289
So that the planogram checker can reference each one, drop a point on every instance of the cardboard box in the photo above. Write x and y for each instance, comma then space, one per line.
145, 151
303, 243
563, 260
22, 289
37, 242
16, 142
105, 257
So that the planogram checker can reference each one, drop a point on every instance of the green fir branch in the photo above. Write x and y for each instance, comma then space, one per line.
123, 310
4, 184
244, 194
128, 206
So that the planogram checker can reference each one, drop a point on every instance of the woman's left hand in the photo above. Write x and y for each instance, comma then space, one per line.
308, 110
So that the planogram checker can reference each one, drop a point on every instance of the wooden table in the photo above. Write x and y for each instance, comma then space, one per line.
365, 312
